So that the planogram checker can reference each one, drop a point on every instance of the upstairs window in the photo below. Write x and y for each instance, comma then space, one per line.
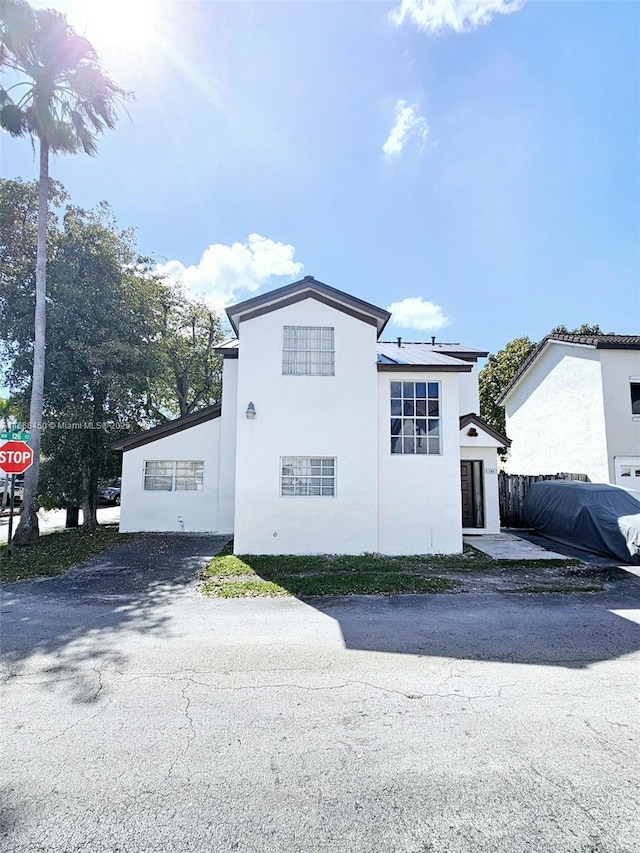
635, 398
173, 476
415, 417
308, 351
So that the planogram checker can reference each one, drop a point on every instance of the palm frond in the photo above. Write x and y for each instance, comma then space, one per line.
12, 119
70, 99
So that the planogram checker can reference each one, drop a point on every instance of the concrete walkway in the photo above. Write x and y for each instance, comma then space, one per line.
505, 546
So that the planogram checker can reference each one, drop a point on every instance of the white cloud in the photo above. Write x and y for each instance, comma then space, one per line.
224, 272
408, 123
461, 16
416, 313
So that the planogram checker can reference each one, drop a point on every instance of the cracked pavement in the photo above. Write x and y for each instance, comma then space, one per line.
138, 716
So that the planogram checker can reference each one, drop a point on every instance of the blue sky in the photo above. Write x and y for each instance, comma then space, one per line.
510, 204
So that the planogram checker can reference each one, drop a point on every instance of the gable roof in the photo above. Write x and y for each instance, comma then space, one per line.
170, 428
307, 288
476, 420
592, 341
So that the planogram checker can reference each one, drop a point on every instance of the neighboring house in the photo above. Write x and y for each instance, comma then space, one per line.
326, 441
574, 406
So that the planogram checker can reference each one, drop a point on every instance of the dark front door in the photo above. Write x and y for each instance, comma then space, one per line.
472, 494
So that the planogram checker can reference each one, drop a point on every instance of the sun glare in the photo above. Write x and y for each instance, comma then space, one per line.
115, 26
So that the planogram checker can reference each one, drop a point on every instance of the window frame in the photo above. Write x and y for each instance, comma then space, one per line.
413, 416
175, 476
634, 385
310, 477
309, 351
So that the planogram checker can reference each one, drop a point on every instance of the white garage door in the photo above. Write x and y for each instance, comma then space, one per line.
628, 471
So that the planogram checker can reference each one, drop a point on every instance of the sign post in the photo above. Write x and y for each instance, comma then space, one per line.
15, 458
11, 503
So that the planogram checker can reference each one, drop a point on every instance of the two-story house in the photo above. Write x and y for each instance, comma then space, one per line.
326, 441
575, 406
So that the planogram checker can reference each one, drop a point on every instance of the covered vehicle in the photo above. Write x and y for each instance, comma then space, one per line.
594, 516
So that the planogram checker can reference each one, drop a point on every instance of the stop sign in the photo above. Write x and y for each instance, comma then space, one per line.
15, 457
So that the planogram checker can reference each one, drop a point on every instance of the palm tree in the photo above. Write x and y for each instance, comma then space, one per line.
61, 97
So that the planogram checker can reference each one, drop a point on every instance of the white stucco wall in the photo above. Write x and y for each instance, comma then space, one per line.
619, 369
180, 512
227, 445
333, 416
468, 392
555, 415
419, 504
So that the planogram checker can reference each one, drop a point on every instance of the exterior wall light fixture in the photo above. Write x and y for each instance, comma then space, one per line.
251, 411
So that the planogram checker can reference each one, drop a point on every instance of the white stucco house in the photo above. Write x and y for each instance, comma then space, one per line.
326, 440
574, 406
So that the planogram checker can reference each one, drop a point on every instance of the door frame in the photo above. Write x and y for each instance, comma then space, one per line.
476, 469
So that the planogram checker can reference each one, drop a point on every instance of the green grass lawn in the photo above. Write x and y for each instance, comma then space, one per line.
56, 552
229, 576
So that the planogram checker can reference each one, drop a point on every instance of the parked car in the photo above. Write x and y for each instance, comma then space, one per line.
18, 491
594, 516
110, 494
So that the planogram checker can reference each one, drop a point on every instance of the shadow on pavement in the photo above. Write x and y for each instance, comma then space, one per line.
77, 617
571, 630
66, 628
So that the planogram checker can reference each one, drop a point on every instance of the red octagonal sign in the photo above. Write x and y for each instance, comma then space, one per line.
15, 457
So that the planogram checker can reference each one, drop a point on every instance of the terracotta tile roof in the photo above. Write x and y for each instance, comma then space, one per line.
599, 341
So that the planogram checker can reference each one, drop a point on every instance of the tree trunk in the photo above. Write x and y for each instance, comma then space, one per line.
89, 512
73, 516
89, 497
27, 531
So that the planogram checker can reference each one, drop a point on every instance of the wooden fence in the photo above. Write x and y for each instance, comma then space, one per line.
513, 488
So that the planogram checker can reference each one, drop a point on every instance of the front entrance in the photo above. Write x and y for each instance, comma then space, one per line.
472, 493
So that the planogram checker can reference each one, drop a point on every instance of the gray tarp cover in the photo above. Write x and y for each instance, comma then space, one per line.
598, 517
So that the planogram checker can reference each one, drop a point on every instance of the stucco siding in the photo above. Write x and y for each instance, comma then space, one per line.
619, 369
175, 511
468, 392
555, 415
227, 445
419, 495
306, 416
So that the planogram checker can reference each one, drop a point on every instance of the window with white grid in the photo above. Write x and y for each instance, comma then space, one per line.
308, 476
415, 417
171, 475
308, 351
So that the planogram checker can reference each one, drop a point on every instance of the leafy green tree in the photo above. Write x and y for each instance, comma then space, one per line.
18, 247
584, 329
61, 97
496, 375
103, 352
191, 375
106, 313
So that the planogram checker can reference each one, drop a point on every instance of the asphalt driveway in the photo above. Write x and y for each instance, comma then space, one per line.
138, 716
